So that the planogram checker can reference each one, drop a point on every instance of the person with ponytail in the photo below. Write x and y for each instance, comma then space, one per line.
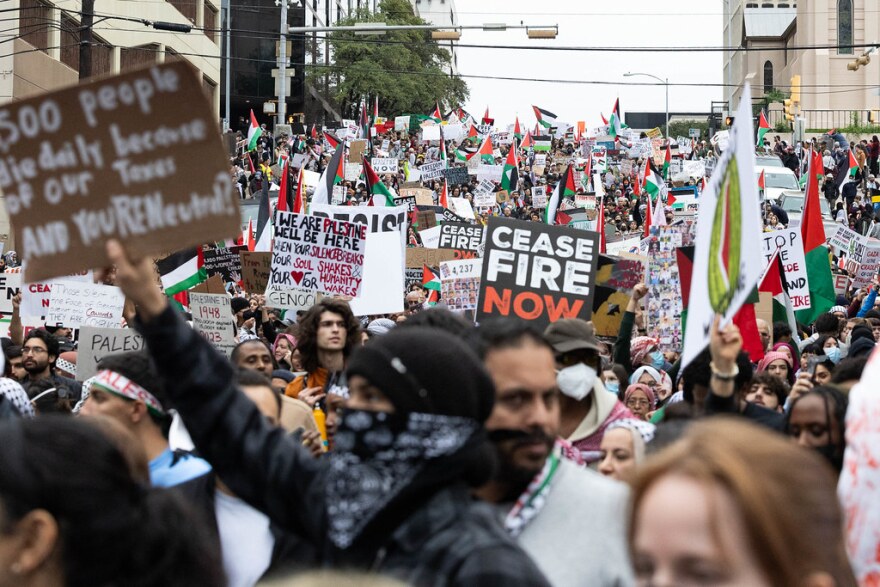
73, 514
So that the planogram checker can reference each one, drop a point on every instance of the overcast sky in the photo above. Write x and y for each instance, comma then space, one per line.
638, 23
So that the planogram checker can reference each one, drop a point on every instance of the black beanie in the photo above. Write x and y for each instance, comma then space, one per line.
239, 304
426, 370
861, 331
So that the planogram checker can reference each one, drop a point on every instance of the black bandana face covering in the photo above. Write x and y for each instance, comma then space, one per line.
376, 455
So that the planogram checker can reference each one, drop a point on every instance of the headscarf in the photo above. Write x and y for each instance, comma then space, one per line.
649, 393
794, 356
776, 356
639, 348
290, 338
642, 433
380, 326
16, 394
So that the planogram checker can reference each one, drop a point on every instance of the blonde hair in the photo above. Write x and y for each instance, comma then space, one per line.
785, 494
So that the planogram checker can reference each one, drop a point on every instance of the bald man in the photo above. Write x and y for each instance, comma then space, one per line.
766, 333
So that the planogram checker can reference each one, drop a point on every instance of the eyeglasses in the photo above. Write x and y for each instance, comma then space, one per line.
33, 350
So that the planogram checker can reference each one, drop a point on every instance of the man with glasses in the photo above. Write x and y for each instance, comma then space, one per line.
587, 408
39, 353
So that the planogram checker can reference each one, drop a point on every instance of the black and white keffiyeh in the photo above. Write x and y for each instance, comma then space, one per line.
376, 456
15, 393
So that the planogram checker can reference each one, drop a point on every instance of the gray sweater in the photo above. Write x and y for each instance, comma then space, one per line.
579, 536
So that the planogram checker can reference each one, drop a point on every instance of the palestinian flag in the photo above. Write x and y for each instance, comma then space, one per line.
615, 124
542, 143
282, 189
667, 161
473, 133
527, 142
516, 130
182, 270
364, 123
564, 188
443, 198
375, 187
762, 181
653, 183
851, 174
299, 202
248, 239
333, 174
254, 133
685, 259
545, 118
774, 283
510, 174
822, 296
463, 155
487, 151
431, 282
314, 131
437, 115
648, 220
604, 120
763, 128
331, 140
486, 119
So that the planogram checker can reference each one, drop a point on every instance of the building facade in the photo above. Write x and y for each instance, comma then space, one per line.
831, 95
440, 13
40, 52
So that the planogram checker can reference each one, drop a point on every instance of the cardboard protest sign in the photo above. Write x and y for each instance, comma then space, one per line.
791, 252
383, 277
10, 285
225, 262
318, 254
492, 172
77, 303
460, 235
109, 159
383, 165
212, 318
212, 285
401, 123
356, 150
292, 298
97, 343
460, 284
430, 236
456, 176
416, 257
461, 207
256, 267
484, 199
35, 296
433, 170
426, 218
869, 265
727, 258
374, 218
841, 283
537, 272
502, 196
352, 171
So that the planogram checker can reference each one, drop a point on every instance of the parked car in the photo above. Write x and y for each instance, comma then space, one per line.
768, 161
778, 180
793, 204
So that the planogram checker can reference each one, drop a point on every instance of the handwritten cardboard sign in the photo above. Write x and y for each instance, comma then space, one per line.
433, 170
292, 298
97, 343
791, 251
212, 318
35, 296
417, 257
111, 159
318, 254
77, 303
537, 272
256, 266
456, 176
225, 262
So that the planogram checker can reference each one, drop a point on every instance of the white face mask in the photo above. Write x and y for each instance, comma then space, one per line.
576, 381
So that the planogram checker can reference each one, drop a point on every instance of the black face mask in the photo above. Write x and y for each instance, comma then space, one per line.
377, 456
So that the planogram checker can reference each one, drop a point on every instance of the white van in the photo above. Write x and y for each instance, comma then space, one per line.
777, 180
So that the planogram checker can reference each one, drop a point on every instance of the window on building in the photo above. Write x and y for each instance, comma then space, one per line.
33, 24
844, 27
186, 8
212, 23
69, 41
768, 77
136, 57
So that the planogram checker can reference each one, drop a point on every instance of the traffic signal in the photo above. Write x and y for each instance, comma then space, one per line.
788, 108
796, 89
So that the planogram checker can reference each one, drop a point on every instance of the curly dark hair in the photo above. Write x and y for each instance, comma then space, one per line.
307, 344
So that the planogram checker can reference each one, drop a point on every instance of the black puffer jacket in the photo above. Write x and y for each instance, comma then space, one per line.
448, 540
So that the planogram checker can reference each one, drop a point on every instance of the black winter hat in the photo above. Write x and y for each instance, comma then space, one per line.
861, 347
239, 304
861, 331
426, 370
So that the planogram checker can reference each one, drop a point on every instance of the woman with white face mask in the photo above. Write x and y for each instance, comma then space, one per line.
586, 407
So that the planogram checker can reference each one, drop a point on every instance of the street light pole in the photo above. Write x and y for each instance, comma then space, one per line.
665, 82
282, 65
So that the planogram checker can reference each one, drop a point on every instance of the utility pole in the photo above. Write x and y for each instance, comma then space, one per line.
228, 76
85, 39
282, 66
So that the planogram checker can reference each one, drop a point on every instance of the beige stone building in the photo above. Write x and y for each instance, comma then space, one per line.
830, 93
39, 49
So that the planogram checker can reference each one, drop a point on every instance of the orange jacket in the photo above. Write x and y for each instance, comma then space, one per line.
316, 379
